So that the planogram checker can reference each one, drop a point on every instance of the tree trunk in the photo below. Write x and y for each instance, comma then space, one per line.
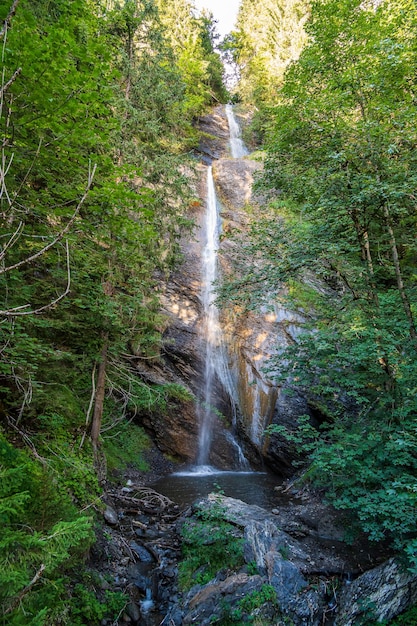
398, 274
366, 255
99, 398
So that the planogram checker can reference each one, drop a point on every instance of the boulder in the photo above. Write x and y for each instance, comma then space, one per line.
303, 605
380, 593
210, 601
110, 516
287, 564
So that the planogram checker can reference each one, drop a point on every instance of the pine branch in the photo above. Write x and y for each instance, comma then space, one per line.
26, 590
17, 311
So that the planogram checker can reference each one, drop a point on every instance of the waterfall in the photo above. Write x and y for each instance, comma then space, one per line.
211, 331
237, 147
215, 359
216, 366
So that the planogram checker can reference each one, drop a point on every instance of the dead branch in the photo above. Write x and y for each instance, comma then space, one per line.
17, 311
60, 235
25, 437
7, 21
14, 237
90, 406
145, 497
10, 81
26, 590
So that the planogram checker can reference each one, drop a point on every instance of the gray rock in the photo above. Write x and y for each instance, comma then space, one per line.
204, 604
110, 516
302, 605
385, 591
144, 555
133, 612
234, 180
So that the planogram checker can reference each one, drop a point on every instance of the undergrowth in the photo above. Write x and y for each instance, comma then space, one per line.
209, 544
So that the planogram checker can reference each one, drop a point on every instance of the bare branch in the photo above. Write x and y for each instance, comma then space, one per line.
18, 311
12, 240
7, 21
38, 149
27, 440
60, 235
10, 81
90, 406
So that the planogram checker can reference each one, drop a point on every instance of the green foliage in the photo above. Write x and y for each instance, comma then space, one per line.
193, 41
93, 202
42, 538
242, 612
86, 608
408, 618
125, 446
256, 599
335, 247
269, 35
209, 544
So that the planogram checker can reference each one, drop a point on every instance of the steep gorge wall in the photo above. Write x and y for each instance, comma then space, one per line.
182, 359
250, 337
253, 337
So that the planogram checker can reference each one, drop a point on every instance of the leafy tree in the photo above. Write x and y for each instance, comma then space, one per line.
269, 35
193, 42
93, 196
339, 236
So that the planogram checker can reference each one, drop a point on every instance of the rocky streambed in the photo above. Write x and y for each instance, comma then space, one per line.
295, 568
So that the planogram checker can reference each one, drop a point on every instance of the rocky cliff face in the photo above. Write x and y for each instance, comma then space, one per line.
182, 360
250, 337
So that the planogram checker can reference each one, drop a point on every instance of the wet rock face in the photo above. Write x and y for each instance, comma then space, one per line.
234, 181
251, 337
214, 142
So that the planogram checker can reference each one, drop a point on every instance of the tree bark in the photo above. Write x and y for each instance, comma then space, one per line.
366, 254
99, 399
398, 274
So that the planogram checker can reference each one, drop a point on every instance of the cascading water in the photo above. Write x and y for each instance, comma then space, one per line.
211, 332
194, 482
237, 147
216, 368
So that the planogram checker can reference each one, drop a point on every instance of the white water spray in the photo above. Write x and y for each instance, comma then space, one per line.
237, 147
216, 366
211, 321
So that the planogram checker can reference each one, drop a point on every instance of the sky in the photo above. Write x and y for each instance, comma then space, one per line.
224, 11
